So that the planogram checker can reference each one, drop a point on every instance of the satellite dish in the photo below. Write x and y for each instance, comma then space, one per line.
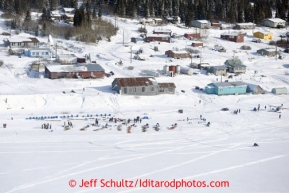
50, 40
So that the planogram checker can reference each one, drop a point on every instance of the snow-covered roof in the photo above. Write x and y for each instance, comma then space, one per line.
229, 84
73, 68
39, 49
196, 42
277, 20
55, 13
162, 30
249, 23
263, 32
230, 34
158, 35
68, 9
63, 56
19, 40
203, 21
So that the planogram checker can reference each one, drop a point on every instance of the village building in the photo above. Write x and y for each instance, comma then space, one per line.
66, 58
263, 35
55, 15
158, 38
197, 44
204, 66
270, 52
226, 88
56, 71
255, 89
146, 86
202, 24
192, 35
67, 14
38, 52
163, 31
177, 54
216, 24
218, 70
235, 66
21, 42
248, 25
233, 37
274, 23
158, 20
281, 90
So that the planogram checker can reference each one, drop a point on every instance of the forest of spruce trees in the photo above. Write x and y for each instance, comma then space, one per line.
89, 12
214, 10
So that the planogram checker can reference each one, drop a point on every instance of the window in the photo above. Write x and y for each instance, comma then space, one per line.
46, 53
221, 90
125, 90
231, 37
33, 53
152, 89
143, 89
161, 90
165, 38
134, 89
171, 90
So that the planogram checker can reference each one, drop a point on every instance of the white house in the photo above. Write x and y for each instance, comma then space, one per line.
38, 52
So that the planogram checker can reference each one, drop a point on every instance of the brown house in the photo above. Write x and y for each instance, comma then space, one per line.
56, 71
197, 44
158, 37
192, 35
177, 54
216, 24
233, 37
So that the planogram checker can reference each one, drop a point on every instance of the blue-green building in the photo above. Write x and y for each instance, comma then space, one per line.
226, 88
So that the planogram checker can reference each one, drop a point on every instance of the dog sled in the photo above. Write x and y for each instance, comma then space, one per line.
173, 126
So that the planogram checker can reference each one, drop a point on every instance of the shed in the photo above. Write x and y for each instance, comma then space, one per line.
226, 88
274, 22
203, 66
263, 35
133, 39
66, 58
270, 52
281, 90
216, 25
255, 89
203, 24
177, 54
197, 44
219, 70
233, 37
248, 25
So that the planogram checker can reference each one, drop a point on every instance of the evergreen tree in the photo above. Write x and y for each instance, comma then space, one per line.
176, 7
28, 16
94, 13
99, 12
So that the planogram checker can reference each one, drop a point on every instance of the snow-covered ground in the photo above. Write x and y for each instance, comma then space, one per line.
40, 160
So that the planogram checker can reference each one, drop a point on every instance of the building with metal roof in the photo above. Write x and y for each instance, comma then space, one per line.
226, 88
145, 86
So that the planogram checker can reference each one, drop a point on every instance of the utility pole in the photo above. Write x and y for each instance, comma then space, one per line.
276, 51
123, 37
114, 22
130, 54
56, 50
